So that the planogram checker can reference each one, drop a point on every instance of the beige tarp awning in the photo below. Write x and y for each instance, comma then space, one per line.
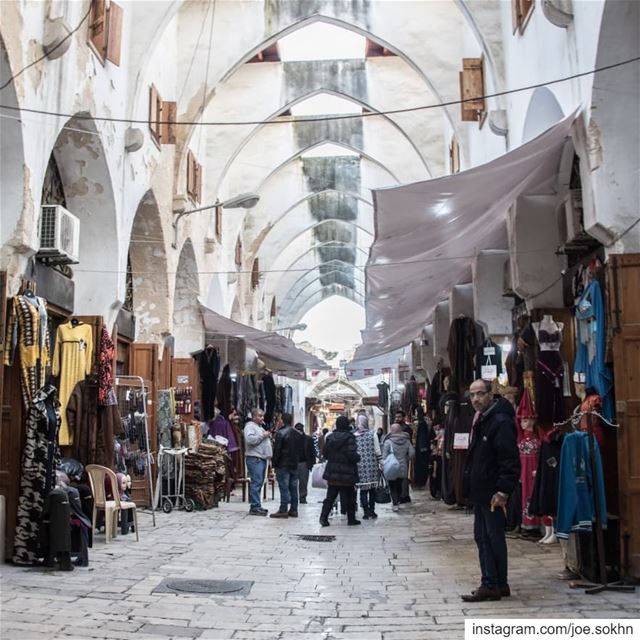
278, 352
427, 234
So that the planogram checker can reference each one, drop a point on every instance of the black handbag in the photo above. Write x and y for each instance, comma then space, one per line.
383, 495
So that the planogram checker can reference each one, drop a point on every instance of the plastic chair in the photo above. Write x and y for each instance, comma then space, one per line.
111, 508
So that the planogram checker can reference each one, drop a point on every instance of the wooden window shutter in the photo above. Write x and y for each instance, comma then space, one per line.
190, 181
472, 89
255, 274
98, 27
154, 113
114, 33
520, 13
515, 15
218, 222
168, 116
198, 177
273, 307
238, 252
454, 156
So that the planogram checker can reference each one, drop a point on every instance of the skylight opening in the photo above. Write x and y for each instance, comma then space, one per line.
321, 41
329, 150
325, 104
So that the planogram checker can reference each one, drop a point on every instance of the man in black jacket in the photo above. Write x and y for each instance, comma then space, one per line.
491, 473
305, 464
287, 451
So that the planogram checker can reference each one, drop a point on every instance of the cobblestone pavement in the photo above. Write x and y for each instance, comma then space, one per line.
396, 578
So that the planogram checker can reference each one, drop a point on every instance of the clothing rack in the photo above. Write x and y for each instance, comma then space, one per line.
603, 584
137, 383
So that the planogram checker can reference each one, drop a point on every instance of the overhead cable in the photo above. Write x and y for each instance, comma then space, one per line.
372, 114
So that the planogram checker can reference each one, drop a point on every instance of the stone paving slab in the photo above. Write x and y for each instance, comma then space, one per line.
396, 578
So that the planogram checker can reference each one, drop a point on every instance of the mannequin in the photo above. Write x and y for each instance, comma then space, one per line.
549, 371
529, 446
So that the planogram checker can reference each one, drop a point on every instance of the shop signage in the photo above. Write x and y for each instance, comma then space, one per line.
368, 372
386, 369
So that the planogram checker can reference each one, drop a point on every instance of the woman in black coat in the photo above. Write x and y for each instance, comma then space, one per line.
341, 471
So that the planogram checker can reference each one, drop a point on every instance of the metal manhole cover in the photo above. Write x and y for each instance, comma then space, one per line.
220, 587
316, 538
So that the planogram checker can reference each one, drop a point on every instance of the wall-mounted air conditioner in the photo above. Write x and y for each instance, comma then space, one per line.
59, 235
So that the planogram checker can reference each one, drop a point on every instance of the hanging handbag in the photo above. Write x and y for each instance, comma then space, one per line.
317, 481
383, 495
391, 466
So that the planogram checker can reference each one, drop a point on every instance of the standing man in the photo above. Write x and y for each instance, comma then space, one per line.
306, 462
491, 473
258, 450
287, 451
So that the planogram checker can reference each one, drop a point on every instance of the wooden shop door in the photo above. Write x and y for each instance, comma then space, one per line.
624, 305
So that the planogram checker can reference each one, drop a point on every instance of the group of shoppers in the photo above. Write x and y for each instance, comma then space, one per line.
292, 456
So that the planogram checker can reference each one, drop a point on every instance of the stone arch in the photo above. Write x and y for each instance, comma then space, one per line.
295, 314
13, 169
613, 129
187, 319
149, 269
82, 162
321, 387
236, 313
543, 111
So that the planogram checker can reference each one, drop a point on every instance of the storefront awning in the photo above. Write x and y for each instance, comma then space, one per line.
275, 349
427, 233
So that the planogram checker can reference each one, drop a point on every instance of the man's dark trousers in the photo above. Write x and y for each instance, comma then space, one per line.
489, 534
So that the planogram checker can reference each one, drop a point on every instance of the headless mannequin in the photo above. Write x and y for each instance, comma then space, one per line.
549, 333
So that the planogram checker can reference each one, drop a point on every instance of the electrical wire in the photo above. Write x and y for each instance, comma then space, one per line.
371, 114
41, 58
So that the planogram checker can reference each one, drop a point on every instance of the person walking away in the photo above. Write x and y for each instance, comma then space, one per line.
401, 419
305, 464
258, 451
398, 442
322, 438
491, 473
341, 471
368, 448
288, 448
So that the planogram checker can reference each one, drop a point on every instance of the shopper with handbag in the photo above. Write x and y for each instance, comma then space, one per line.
397, 451
341, 471
368, 467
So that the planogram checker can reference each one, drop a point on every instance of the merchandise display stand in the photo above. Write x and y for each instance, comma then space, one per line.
602, 584
136, 384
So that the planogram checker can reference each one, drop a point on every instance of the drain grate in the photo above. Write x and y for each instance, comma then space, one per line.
219, 587
316, 538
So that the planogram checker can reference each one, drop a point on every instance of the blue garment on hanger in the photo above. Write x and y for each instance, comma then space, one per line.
576, 505
591, 346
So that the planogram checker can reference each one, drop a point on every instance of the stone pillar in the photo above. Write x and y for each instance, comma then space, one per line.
491, 309
536, 269
461, 301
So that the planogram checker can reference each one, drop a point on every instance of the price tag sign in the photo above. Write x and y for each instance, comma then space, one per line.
183, 379
489, 372
460, 441
489, 351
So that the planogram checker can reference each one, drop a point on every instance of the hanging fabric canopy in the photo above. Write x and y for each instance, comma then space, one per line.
356, 370
276, 350
427, 234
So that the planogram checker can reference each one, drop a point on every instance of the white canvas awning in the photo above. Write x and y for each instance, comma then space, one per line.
276, 350
427, 234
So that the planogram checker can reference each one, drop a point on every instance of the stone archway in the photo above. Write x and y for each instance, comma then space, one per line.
148, 261
15, 174
187, 318
81, 160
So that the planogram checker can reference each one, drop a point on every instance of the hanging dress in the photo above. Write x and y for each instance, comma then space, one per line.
28, 335
72, 361
38, 472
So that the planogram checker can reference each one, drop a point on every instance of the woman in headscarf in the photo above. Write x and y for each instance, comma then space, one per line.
368, 467
341, 471
398, 443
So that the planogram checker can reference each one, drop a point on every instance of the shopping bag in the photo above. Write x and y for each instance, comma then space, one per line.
317, 481
391, 466
383, 495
